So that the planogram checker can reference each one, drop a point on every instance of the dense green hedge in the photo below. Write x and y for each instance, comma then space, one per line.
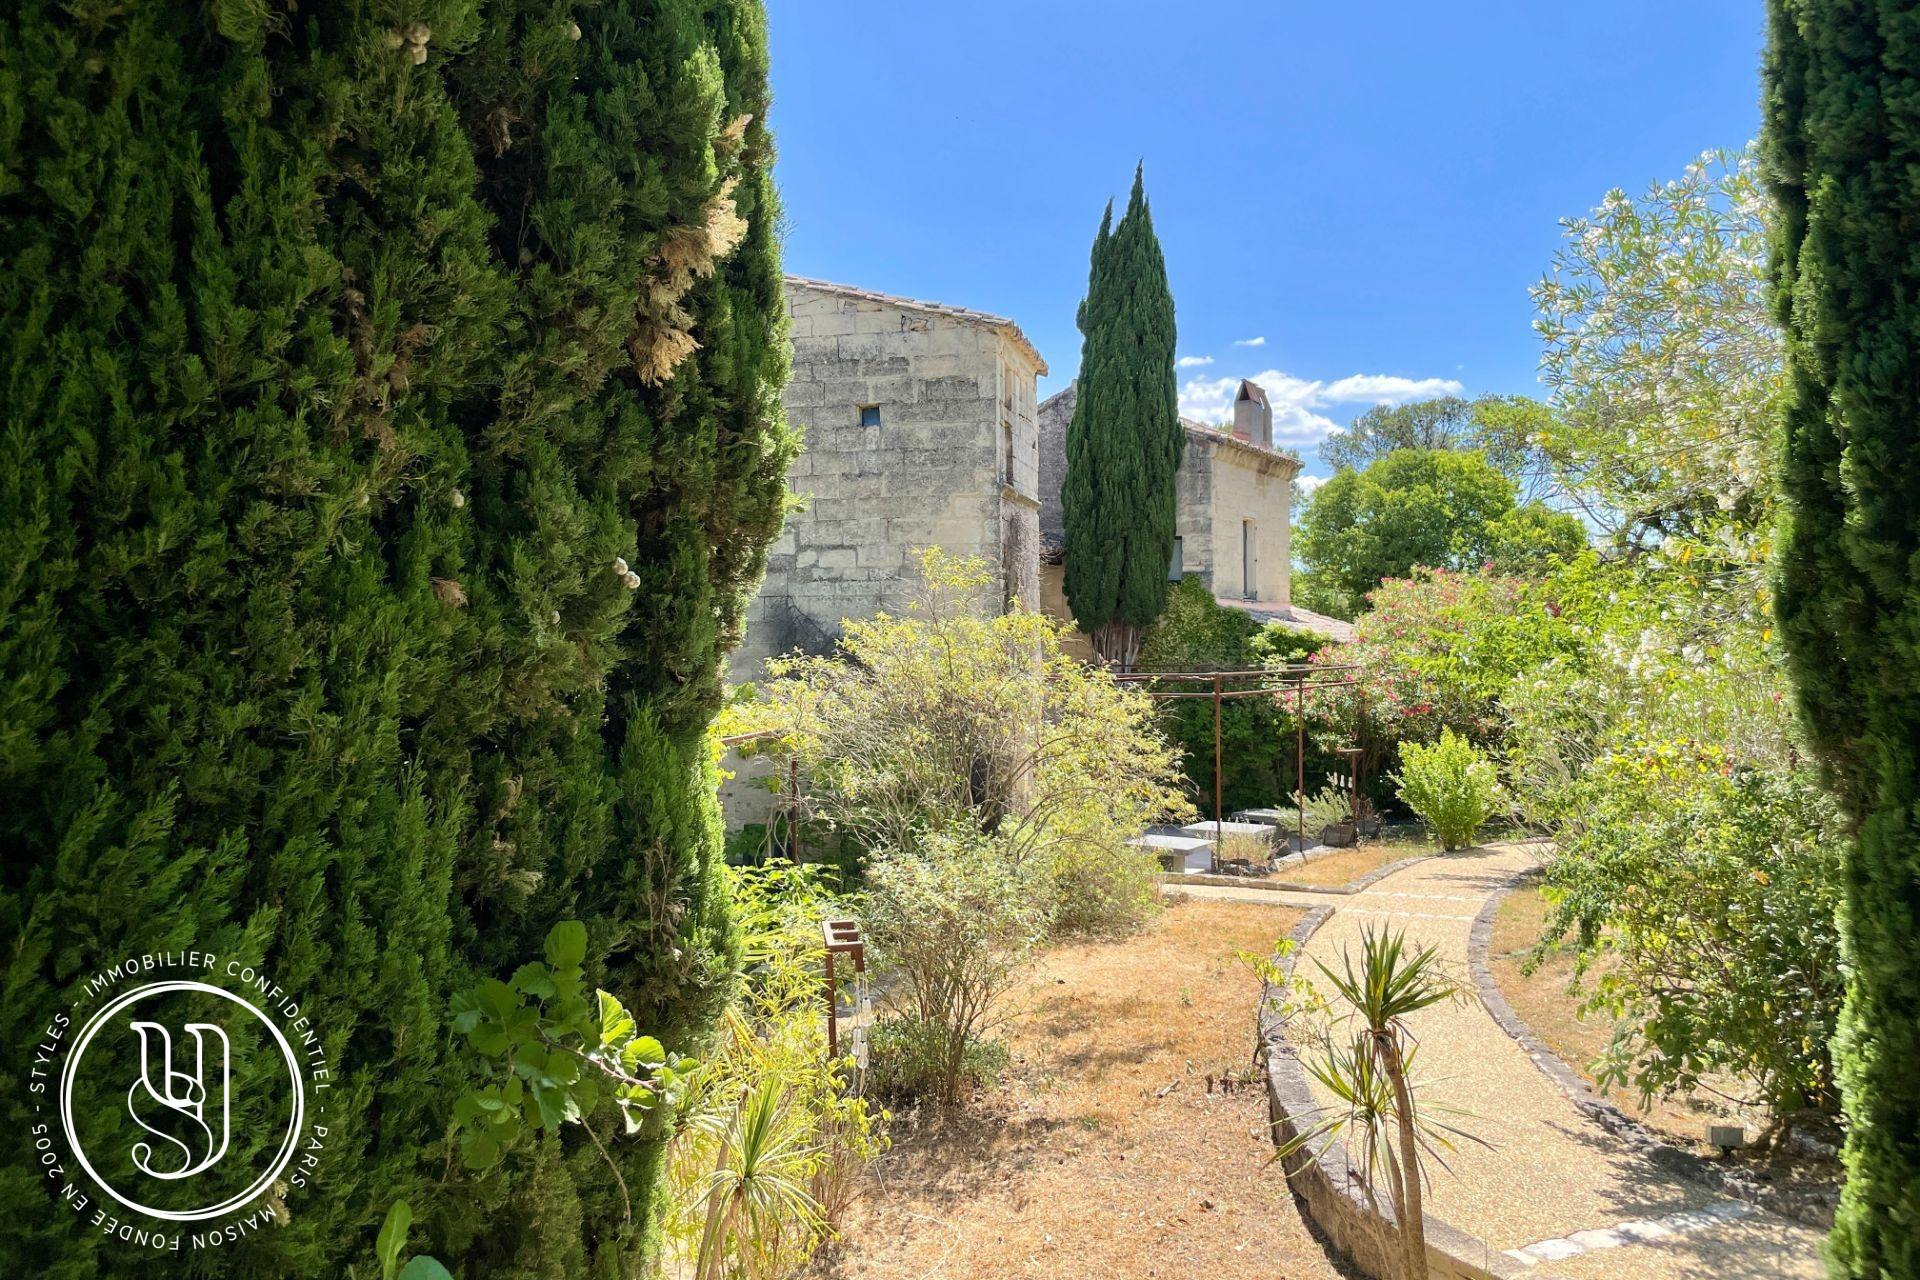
344, 351
1842, 151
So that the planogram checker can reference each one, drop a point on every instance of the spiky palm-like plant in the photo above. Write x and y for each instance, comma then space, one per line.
1365, 1064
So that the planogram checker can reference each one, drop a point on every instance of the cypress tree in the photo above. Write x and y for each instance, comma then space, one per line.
1842, 148
342, 360
1125, 441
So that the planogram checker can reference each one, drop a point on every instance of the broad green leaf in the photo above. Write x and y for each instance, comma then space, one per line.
479, 1150
534, 979
424, 1269
567, 945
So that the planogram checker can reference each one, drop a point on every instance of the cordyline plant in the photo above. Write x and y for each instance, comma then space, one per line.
953, 717
1363, 1062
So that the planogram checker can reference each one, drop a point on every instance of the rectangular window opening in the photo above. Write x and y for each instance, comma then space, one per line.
1176, 567
869, 415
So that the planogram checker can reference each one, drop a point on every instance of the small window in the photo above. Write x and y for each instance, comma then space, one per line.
1176, 567
869, 415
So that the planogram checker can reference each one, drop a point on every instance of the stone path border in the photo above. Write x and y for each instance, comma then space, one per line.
1324, 1182
1283, 886
1650, 1145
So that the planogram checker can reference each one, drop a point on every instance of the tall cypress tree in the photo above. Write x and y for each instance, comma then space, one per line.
1842, 148
1125, 441
342, 360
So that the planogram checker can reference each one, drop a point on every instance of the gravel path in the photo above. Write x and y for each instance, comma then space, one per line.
1557, 1190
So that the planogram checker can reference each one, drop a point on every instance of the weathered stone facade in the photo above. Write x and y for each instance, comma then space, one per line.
919, 431
1232, 501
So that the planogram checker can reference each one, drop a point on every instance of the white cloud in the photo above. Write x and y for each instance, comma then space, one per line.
1296, 401
1193, 362
1378, 388
1307, 484
1250, 342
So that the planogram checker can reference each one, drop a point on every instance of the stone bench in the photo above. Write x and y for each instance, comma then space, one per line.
1178, 853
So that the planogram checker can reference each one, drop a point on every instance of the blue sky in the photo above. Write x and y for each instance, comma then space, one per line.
1366, 189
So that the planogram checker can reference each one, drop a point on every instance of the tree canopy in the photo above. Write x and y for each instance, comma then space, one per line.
1440, 508
1503, 428
392, 437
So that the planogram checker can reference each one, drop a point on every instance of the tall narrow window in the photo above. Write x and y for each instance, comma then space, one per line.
1176, 567
1006, 445
1249, 583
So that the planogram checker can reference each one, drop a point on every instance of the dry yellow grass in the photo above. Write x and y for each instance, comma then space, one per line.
1331, 870
1103, 1154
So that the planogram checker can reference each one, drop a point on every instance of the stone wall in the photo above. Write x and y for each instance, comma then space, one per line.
1248, 483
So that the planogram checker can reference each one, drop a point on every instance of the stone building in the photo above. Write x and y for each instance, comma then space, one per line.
918, 421
919, 431
1233, 512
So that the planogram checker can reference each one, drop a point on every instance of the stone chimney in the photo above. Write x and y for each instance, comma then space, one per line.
1252, 415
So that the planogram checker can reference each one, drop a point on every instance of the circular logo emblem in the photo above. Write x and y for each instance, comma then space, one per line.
179, 1111
181, 1098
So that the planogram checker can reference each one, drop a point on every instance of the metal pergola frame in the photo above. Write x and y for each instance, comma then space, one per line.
1297, 680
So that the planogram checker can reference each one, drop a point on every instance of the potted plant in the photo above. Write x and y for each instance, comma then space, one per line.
1332, 812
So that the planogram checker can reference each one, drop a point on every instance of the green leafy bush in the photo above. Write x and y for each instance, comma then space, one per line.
774, 1131
1713, 894
1450, 785
1104, 887
961, 717
953, 924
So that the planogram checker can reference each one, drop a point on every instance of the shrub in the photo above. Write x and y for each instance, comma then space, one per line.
953, 924
1714, 892
774, 1130
1450, 785
958, 718
1104, 887
906, 1060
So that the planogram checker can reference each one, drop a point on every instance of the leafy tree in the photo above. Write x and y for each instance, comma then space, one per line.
1125, 441
1842, 148
391, 440
1503, 428
1432, 507
1531, 539
1664, 364
1708, 895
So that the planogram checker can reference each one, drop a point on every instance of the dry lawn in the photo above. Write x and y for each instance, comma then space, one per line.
1103, 1154
1343, 867
1542, 1002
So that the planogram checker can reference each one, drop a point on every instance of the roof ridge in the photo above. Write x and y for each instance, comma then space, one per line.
948, 309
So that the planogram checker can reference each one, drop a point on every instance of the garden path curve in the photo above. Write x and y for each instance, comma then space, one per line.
1558, 1192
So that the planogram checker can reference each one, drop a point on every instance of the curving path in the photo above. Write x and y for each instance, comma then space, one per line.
1558, 1194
